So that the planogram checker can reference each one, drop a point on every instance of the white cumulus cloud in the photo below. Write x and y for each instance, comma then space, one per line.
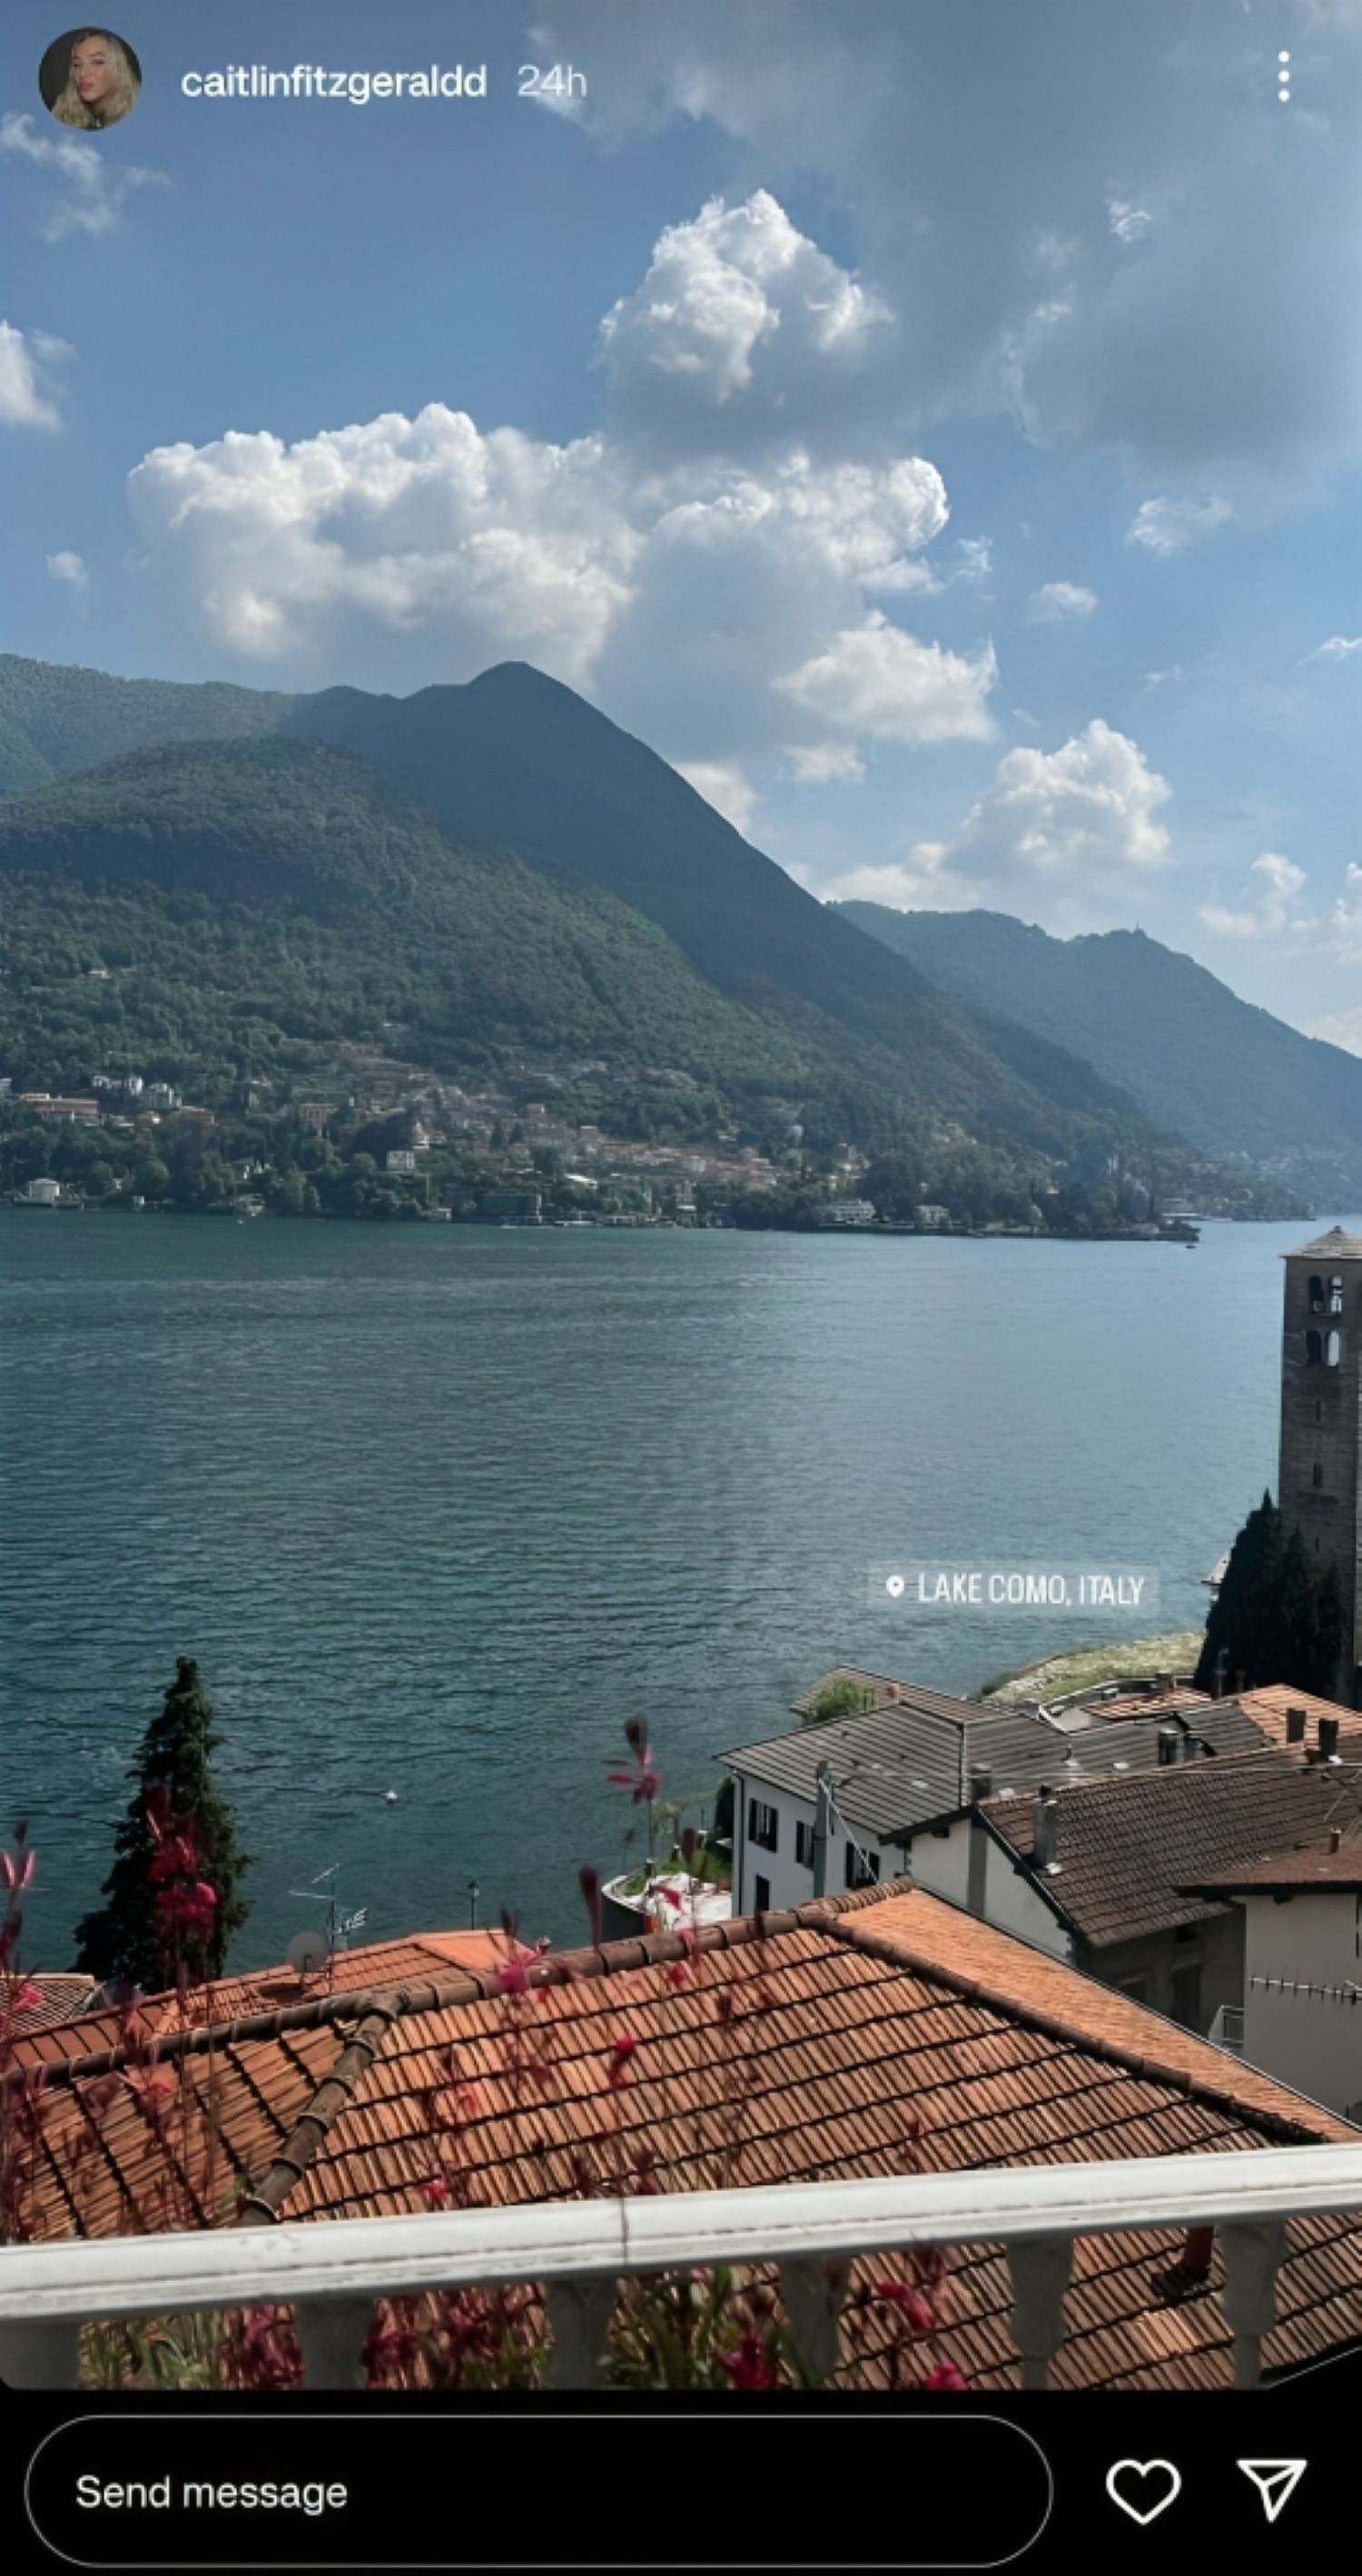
728, 604
722, 785
1167, 527
68, 567
1078, 824
876, 682
1057, 601
740, 321
1275, 883
1335, 648
84, 192
26, 362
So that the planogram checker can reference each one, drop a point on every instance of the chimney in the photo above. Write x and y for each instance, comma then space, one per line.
1045, 1817
1165, 1681
1170, 1747
980, 1783
1328, 1739
1295, 1725
1336, 1838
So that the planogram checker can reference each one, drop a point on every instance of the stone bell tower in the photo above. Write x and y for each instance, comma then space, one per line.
1319, 1486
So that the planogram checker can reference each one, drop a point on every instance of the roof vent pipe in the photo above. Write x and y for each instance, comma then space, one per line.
1169, 1746
1328, 1739
1295, 1725
980, 1783
1045, 1817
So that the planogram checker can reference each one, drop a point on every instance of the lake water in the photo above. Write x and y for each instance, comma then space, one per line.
438, 1507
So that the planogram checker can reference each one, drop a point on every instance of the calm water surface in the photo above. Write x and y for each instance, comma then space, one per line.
438, 1507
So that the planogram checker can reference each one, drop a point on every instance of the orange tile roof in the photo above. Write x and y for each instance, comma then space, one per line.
1268, 1708
795, 2047
267, 1990
55, 1998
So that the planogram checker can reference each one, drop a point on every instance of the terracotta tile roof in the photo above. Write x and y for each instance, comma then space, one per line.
1268, 1708
268, 1991
805, 2045
55, 1998
1128, 1850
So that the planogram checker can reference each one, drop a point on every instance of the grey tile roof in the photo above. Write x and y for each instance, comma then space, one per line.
903, 1766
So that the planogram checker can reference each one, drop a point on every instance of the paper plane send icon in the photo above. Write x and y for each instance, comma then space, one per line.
1275, 2480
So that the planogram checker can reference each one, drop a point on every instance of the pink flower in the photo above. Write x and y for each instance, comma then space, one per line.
945, 2376
436, 2190
919, 2312
621, 2050
752, 2365
28, 1998
18, 1875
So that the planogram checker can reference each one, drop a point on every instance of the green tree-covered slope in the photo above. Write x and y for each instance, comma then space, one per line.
1224, 1073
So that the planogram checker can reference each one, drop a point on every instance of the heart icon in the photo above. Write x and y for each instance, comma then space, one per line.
1143, 2488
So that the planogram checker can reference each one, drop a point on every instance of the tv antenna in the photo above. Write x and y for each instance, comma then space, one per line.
308, 1950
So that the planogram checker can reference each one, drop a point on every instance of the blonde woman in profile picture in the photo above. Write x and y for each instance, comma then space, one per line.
102, 81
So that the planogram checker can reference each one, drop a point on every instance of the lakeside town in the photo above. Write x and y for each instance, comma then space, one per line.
408, 1145
1105, 1910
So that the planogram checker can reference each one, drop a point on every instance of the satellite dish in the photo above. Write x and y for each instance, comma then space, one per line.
306, 1951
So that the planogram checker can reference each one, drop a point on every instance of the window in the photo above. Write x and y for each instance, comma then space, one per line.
804, 1846
1317, 1475
1319, 1410
763, 1825
863, 1868
1335, 1352
1187, 1995
1335, 1296
761, 1895
1314, 1349
1316, 1294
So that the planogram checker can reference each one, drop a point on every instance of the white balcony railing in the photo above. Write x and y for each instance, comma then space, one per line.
331, 2272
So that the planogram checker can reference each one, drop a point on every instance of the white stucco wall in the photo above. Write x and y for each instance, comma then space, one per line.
1310, 2041
942, 1865
791, 1881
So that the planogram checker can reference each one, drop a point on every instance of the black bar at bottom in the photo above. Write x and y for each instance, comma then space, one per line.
643, 2488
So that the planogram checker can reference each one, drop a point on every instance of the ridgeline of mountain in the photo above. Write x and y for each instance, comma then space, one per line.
1222, 1072
56, 718
469, 872
230, 889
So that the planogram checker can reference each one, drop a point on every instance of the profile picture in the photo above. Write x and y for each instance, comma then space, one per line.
90, 78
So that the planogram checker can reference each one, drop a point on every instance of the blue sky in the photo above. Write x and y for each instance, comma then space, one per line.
933, 425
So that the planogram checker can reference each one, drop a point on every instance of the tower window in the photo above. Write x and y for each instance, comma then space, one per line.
1335, 1296
1316, 1294
1335, 1353
1314, 1349
1319, 1410
1317, 1474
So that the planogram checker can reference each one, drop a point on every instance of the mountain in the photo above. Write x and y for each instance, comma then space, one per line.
56, 718
472, 874
1222, 1072
232, 894
514, 759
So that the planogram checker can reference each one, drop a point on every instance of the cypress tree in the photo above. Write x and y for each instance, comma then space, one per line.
172, 1774
1278, 1617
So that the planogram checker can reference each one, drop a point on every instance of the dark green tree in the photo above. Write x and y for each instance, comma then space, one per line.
172, 1772
1277, 1617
